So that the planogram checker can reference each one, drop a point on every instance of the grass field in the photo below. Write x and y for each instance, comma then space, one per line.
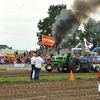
13, 79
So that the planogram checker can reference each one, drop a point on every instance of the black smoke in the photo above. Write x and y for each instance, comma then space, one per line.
83, 8
64, 25
69, 20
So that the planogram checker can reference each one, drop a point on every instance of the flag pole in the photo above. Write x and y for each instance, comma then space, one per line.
97, 48
56, 49
83, 48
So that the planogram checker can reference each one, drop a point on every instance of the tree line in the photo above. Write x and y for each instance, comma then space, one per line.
91, 30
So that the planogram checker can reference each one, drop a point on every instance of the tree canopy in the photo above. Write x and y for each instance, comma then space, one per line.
91, 32
91, 29
45, 25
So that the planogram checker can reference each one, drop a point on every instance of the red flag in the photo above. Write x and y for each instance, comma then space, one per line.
87, 44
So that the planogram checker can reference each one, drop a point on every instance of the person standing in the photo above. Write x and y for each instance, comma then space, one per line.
16, 53
38, 64
32, 66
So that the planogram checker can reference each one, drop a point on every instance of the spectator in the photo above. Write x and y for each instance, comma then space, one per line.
32, 66
16, 53
89, 55
40, 52
93, 55
37, 53
12, 60
24, 54
18, 59
38, 64
23, 60
6, 60
28, 60
0, 61
29, 53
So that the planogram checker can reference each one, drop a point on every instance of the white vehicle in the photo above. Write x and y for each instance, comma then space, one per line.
96, 67
78, 50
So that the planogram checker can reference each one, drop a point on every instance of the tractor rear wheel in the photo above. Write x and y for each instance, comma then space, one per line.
60, 68
75, 65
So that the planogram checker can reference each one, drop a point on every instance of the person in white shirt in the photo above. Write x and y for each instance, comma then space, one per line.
38, 64
32, 66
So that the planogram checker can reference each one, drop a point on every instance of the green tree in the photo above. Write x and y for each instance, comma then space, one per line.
81, 34
92, 31
45, 25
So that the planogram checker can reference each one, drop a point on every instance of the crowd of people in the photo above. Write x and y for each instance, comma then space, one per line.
23, 58
26, 57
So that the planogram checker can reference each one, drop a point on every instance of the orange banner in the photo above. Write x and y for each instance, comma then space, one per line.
47, 40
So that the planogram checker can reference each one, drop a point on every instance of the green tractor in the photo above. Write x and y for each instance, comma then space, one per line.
64, 63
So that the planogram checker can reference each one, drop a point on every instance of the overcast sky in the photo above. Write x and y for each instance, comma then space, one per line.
19, 18
18, 21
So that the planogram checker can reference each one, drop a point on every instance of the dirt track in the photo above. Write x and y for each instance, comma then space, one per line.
43, 73
78, 89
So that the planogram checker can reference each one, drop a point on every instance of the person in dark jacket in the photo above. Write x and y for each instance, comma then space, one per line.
32, 66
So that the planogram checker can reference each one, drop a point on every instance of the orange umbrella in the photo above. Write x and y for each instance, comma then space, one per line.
3, 55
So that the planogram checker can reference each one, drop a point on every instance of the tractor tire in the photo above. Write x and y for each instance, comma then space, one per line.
60, 68
97, 69
75, 65
49, 70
